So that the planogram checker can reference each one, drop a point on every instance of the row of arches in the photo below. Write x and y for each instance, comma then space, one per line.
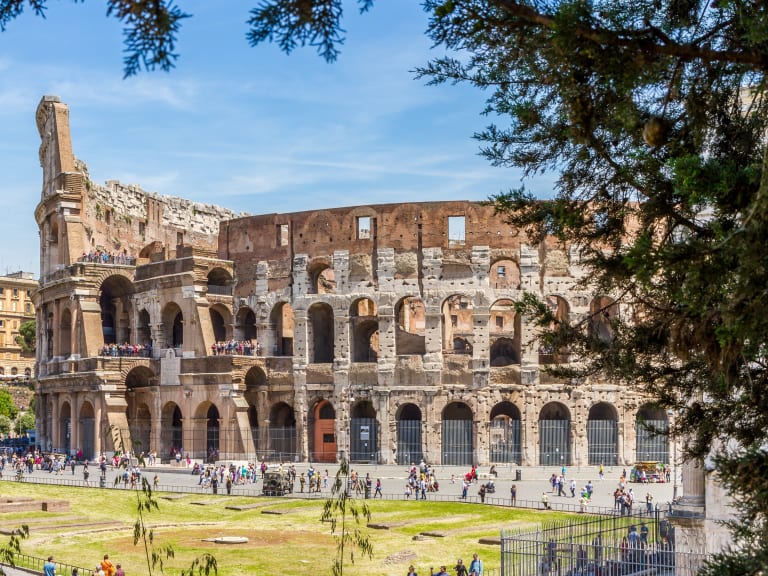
275, 433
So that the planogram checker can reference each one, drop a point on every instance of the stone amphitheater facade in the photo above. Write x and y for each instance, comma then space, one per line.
386, 332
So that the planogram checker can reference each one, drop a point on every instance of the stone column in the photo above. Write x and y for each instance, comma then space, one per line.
98, 427
383, 418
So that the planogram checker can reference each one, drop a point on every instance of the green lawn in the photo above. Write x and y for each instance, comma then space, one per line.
296, 543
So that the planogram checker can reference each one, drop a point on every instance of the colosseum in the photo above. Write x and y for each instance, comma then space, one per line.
385, 332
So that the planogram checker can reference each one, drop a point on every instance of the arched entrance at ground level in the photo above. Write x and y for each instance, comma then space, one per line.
137, 412
65, 429
140, 426
652, 435
457, 437
363, 433
409, 448
256, 388
603, 435
282, 432
171, 431
322, 427
212, 437
87, 436
554, 435
505, 443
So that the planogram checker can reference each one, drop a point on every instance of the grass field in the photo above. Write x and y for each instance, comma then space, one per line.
290, 541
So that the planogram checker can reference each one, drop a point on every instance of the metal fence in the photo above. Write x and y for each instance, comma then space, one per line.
555, 445
603, 440
35, 564
457, 443
652, 443
598, 545
409, 442
505, 441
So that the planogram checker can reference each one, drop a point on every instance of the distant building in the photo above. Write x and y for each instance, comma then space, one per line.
16, 307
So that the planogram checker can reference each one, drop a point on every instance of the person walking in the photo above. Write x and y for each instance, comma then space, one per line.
107, 566
476, 566
461, 569
49, 568
378, 489
513, 494
119, 571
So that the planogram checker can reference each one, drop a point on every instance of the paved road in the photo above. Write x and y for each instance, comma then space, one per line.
534, 481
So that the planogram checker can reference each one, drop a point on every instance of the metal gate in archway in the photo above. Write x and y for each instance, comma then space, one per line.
505, 440
554, 442
603, 439
409, 442
87, 437
457, 443
652, 442
364, 440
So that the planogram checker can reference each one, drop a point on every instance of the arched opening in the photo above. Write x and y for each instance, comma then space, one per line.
505, 440
409, 447
14, 371
323, 428
282, 432
246, 324
458, 329
219, 323
171, 431
144, 329
504, 329
322, 279
603, 311
255, 390
504, 352
603, 435
652, 434
283, 322
139, 425
365, 331
220, 282
320, 333
65, 429
87, 436
65, 332
114, 300
505, 275
548, 353
212, 433
173, 325
150, 249
27, 372
458, 437
554, 435
411, 315
363, 430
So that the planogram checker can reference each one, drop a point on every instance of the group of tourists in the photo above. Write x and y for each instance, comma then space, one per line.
421, 480
236, 348
126, 350
475, 568
104, 257
103, 568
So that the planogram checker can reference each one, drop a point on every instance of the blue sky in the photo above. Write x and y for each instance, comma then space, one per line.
251, 129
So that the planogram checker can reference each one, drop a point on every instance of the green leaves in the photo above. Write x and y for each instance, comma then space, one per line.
336, 510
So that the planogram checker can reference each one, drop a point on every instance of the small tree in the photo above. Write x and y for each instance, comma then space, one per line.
8, 407
26, 337
146, 502
338, 507
24, 423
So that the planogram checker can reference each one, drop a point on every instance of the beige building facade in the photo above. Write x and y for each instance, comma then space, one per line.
388, 332
16, 308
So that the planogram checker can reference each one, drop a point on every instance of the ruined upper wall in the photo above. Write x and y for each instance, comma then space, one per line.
125, 218
77, 216
408, 228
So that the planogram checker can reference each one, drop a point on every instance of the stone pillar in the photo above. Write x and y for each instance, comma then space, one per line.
74, 434
98, 428
383, 418
53, 438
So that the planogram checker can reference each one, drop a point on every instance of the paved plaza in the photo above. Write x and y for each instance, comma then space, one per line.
533, 481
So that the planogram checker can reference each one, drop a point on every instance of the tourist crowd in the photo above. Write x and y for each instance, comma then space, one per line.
104, 257
127, 350
236, 347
